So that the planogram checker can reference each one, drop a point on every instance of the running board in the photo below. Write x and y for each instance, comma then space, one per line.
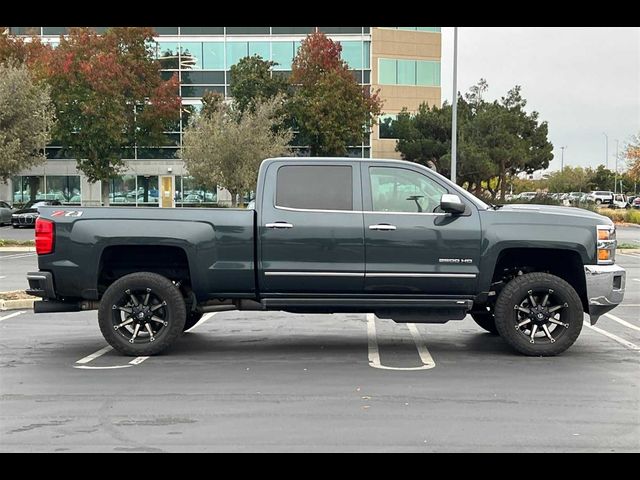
365, 305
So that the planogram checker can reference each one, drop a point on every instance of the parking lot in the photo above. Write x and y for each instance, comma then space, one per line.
244, 381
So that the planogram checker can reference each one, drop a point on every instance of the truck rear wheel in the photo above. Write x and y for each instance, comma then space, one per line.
539, 314
142, 314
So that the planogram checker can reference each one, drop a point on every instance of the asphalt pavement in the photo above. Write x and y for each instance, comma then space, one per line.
270, 381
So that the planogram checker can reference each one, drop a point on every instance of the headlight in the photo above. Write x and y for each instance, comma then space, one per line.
606, 244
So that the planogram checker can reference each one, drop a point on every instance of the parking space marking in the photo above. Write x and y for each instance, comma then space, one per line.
622, 341
82, 363
374, 353
95, 355
11, 315
17, 255
204, 318
2, 276
634, 255
622, 322
137, 360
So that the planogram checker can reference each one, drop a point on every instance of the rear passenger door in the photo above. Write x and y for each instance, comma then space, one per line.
310, 228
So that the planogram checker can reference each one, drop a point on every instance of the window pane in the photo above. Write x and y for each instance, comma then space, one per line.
282, 53
247, 30
147, 191
123, 189
401, 190
386, 126
406, 72
340, 29
292, 30
428, 73
54, 30
259, 48
191, 55
63, 188
315, 187
166, 30
352, 54
213, 55
203, 78
387, 74
201, 30
236, 51
198, 92
168, 55
367, 55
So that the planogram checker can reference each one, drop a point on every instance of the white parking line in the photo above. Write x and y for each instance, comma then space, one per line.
137, 360
2, 276
17, 255
95, 355
374, 353
635, 255
622, 322
204, 318
636, 279
11, 315
622, 341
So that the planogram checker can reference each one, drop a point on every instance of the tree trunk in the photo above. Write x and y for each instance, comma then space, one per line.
105, 193
234, 199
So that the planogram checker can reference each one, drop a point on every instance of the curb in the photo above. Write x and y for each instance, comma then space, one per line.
17, 304
17, 249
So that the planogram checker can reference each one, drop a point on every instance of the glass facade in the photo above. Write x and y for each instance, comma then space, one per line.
64, 188
416, 73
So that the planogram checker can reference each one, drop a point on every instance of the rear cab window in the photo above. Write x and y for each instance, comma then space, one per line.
315, 187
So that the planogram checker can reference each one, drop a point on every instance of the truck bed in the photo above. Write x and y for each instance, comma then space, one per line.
218, 244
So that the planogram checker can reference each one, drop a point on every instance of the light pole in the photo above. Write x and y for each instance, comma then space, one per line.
606, 150
454, 108
562, 160
615, 177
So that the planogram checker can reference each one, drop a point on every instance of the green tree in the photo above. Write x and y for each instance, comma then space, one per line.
26, 120
253, 80
109, 96
330, 109
225, 147
571, 179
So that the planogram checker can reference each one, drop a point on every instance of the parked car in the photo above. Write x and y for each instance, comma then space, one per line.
336, 235
635, 203
5, 213
600, 197
620, 201
26, 216
526, 196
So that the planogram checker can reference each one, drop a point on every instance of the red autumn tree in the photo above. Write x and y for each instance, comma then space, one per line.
331, 110
109, 96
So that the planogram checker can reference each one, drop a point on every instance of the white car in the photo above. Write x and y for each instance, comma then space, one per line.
600, 197
620, 201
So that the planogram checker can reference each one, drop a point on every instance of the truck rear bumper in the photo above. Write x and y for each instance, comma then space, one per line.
41, 284
605, 288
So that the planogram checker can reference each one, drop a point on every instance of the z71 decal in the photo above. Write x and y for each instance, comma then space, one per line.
67, 213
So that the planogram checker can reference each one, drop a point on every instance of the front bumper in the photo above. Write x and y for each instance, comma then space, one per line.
605, 288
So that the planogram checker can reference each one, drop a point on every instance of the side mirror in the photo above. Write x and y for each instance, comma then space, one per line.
451, 204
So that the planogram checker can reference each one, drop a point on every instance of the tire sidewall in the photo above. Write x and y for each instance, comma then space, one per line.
161, 286
517, 289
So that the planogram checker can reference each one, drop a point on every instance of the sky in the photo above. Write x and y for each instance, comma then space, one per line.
584, 82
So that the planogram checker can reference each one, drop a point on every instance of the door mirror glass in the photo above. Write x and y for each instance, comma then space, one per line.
451, 204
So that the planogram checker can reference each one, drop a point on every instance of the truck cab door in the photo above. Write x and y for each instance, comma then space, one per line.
411, 246
310, 228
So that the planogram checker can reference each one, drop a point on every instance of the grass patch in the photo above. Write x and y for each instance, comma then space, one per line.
17, 243
622, 246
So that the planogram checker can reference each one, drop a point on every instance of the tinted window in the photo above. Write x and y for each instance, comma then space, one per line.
315, 187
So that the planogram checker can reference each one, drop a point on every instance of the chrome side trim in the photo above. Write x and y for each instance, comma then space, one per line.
421, 275
313, 274
370, 275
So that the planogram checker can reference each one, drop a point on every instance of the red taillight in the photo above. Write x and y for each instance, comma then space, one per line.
44, 236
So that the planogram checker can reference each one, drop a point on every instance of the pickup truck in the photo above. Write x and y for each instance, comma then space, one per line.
330, 235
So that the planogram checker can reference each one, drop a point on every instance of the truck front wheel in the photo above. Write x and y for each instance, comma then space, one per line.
142, 314
539, 314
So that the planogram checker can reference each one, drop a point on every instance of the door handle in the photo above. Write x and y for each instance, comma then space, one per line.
385, 227
279, 225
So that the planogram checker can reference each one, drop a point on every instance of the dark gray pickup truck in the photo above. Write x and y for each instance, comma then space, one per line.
333, 235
